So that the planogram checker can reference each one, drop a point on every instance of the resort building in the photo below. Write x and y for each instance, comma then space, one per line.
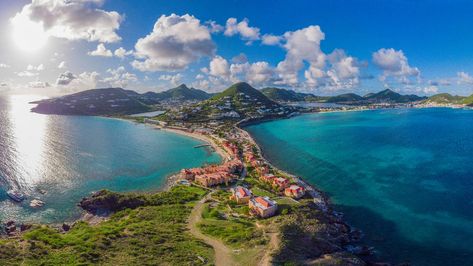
241, 194
262, 206
268, 178
213, 179
294, 191
281, 182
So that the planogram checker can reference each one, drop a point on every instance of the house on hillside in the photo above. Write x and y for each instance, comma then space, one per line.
241, 194
263, 206
281, 182
294, 191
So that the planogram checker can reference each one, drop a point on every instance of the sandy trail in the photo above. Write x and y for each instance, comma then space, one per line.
223, 255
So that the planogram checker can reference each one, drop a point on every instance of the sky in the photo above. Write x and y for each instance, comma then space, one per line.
55, 47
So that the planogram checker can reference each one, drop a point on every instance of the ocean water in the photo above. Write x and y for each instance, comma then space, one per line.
405, 177
71, 156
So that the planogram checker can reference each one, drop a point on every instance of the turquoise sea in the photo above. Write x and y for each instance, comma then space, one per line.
71, 156
403, 176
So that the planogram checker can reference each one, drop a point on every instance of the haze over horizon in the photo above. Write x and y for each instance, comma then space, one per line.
411, 48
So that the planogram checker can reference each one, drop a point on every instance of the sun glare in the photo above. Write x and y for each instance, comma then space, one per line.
28, 35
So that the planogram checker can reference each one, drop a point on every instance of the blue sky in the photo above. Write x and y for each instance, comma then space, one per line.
324, 47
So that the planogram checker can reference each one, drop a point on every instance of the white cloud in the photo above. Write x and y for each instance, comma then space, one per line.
302, 46
119, 77
219, 67
214, 26
394, 63
38, 84
464, 78
270, 39
101, 50
344, 71
65, 78
40, 67
122, 52
2, 65
175, 42
27, 74
246, 32
62, 65
173, 79
259, 73
72, 19
4, 87
240, 59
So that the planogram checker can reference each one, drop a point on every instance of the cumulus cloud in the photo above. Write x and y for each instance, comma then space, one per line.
4, 87
260, 73
101, 50
2, 65
27, 74
464, 78
173, 79
302, 46
119, 77
240, 59
72, 19
62, 65
38, 84
219, 67
344, 71
122, 52
175, 42
214, 26
394, 63
233, 27
270, 39
40, 67
65, 78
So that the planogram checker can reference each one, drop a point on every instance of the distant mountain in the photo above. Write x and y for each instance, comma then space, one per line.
391, 96
108, 101
236, 102
385, 96
445, 98
345, 98
180, 93
285, 95
468, 100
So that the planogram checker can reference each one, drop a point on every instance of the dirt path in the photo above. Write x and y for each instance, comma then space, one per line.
273, 244
223, 255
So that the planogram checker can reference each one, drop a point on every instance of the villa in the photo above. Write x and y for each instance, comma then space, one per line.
268, 178
209, 180
262, 206
294, 191
281, 182
241, 194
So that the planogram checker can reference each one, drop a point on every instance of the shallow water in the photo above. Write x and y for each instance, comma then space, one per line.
405, 176
71, 156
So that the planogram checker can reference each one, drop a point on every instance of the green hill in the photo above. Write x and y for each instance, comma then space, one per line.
345, 98
285, 95
237, 102
180, 93
468, 100
108, 101
445, 98
391, 96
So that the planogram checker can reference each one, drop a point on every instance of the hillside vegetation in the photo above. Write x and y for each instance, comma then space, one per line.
153, 231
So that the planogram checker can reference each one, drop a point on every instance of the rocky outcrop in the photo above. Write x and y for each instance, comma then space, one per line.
104, 202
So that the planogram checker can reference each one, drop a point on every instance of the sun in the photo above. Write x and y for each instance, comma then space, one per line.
28, 35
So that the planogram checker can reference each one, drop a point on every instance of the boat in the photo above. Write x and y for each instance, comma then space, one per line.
36, 203
16, 195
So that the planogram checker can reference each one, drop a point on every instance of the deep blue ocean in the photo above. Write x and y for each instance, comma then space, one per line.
71, 156
403, 176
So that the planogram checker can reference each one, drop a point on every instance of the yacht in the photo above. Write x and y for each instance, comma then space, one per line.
16, 195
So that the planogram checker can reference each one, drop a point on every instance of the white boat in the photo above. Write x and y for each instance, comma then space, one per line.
16, 195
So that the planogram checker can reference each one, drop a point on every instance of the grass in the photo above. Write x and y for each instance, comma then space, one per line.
233, 232
262, 192
147, 235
